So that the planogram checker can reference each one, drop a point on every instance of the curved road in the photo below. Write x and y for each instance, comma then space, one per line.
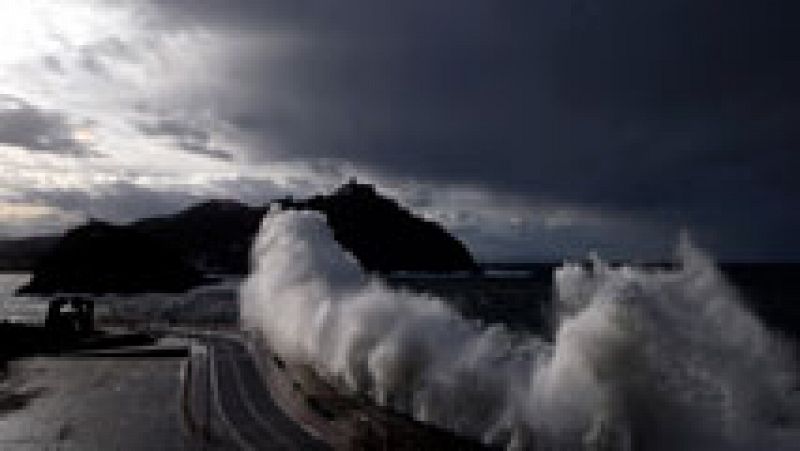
244, 404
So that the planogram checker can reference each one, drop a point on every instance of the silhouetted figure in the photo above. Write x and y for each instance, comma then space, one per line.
77, 319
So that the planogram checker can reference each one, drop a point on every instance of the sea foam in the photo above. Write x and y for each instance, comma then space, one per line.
641, 358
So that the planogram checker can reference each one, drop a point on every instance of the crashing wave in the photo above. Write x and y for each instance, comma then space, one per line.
641, 359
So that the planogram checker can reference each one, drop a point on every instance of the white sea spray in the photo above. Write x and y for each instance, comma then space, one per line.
642, 358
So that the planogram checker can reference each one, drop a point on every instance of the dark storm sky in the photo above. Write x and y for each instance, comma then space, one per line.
643, 116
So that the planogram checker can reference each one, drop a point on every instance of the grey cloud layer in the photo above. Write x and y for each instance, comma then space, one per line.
682, 111
126, 200
25, 125
189, 137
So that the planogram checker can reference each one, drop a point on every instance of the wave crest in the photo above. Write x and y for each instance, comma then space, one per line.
642, 358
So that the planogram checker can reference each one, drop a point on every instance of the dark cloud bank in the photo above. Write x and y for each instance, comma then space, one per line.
678, 112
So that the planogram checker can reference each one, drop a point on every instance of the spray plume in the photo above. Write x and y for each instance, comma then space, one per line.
642, 358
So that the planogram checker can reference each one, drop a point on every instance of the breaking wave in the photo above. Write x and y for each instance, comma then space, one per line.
641, 359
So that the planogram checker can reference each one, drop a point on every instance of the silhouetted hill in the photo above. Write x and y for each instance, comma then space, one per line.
98, 257
21, 254
385, 237
169, 253
215, 236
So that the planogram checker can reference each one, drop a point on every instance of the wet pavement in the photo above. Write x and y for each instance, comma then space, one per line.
94, 403
243, 403
204, 392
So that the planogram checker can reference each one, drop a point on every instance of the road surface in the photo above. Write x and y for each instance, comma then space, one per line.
243, 403
159, 397
72, 402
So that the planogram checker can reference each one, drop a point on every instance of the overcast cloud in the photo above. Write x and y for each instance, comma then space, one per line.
531, 129
26, 126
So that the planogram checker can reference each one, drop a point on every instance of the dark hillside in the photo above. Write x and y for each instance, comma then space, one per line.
385, 237
21, 254
215, 236
171, 253
98, 257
